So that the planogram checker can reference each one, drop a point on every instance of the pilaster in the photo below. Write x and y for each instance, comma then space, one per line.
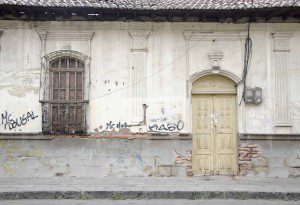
282, 89
138, 67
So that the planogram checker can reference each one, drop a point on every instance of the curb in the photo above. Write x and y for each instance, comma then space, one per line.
123, 195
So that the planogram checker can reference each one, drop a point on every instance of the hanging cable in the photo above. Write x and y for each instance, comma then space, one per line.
160, 70
247, 59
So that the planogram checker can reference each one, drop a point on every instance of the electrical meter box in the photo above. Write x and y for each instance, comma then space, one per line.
257, 95
253, 95
248, 95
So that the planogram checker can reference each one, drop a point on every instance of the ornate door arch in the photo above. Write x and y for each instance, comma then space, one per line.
64, 103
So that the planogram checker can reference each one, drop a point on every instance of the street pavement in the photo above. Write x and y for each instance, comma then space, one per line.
240, 188
212, 183
148, 202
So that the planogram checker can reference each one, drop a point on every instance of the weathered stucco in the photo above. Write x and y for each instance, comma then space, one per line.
109, 46
92, 158
270, 158
135, 63
134, 158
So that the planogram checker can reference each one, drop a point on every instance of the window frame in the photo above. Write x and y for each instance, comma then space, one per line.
46, 97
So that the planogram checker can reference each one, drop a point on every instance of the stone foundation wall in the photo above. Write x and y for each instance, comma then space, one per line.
269, 158
102, 157
117, 157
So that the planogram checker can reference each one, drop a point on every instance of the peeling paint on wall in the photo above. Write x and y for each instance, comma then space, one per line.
19, 84
7, 170
15, 158
139, 158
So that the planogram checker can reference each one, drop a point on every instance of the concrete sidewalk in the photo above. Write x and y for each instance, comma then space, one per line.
149, 188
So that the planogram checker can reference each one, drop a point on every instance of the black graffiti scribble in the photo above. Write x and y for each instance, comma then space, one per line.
167, 127
110, 125
10, 123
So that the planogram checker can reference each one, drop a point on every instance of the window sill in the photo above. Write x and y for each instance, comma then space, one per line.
62, 101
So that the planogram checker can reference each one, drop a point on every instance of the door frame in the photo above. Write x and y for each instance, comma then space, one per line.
238, 94
195, 76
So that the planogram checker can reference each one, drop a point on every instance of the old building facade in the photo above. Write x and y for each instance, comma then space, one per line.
160, 97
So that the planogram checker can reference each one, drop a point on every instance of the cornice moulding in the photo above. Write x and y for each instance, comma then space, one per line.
66, 34
139, 34
211, 36
282, 34
281, 41
120, 25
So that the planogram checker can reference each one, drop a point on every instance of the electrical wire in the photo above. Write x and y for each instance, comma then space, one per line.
247, 59
278, 12
248, 53
160, 70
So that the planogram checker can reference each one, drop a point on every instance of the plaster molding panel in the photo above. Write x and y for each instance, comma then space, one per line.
53, 40
139, 68
281, 42
1, 32
282, 89
294, 60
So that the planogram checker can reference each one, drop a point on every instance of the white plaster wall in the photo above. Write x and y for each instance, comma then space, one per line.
19, 80
110, 71
258, 118
166, 90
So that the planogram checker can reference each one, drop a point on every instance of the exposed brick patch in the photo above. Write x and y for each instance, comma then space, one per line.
246, 153
185, 161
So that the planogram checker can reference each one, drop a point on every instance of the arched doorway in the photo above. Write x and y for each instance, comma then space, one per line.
214, 125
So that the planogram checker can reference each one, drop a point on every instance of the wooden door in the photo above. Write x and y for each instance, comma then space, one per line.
214, 134
203, 145
225, 138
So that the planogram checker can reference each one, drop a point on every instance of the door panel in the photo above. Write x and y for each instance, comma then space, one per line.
214, 134
225, 154
202, 130
224, 106
225, 134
